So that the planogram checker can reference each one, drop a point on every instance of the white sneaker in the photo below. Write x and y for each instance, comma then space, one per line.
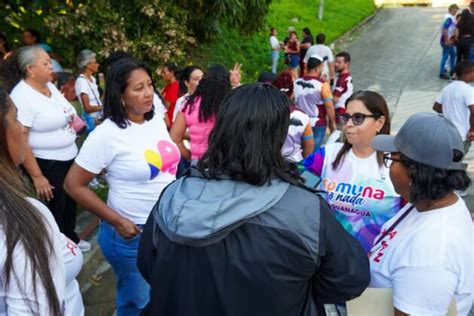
84, 245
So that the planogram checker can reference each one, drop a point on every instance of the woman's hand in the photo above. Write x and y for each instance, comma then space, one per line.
126, 228
235, 75
43, 188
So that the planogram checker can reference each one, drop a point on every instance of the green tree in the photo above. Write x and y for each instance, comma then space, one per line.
152, 30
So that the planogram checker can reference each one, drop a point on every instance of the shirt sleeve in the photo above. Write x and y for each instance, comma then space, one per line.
440, 98
25, 114
314, 162
330, 56
81, 86
343, 272
469, 97
97, 151
447, 23
341, 87
417, 292
326, 93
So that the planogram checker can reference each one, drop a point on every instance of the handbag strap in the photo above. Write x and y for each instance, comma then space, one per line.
391, 228
92, 89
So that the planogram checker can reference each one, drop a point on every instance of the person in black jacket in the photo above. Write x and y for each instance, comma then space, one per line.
240, 234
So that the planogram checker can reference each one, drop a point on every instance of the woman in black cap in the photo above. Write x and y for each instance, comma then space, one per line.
425, 252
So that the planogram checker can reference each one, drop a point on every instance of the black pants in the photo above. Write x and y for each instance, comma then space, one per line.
464, 48
61, 205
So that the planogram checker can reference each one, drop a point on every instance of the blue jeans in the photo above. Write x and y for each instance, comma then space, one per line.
294, 60
90, 122
449, 52
318, 134
471, 57
275, 56
133, 292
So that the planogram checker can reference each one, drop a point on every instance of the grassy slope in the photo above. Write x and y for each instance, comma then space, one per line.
254, 52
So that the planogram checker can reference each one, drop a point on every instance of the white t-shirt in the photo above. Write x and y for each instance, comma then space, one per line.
159, 106
83, 85
449, 21
426, 260
323, 51
456, 99
12, 301
292, 148
274, 43
179, 105
141, 160
49, 119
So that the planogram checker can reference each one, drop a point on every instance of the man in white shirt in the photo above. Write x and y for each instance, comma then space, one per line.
456, 102
275, 45
325, 52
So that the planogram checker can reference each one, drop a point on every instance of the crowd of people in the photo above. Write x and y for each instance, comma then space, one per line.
457, 39
287, 196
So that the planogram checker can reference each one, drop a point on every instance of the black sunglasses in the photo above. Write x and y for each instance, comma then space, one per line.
357, 118
386, 158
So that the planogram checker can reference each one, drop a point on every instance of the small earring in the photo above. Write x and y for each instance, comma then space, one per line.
123, 103
409, 183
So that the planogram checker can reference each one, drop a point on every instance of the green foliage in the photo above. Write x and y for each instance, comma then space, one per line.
254, 51
152, 30
17, 15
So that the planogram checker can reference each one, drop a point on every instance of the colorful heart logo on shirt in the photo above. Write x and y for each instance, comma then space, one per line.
165, 160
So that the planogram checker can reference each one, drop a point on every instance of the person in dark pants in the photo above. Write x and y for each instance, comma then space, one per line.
49, 120
307, 42
241, 234
464, 34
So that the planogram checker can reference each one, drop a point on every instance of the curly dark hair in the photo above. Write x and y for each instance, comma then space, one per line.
430, 183
212, 89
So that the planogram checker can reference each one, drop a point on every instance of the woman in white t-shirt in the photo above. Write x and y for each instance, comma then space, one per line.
87, 91
32, 281
134, 147
353, 177
425, 253
48, 118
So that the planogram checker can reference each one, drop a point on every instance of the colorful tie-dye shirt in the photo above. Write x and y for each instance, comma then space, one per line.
359, 191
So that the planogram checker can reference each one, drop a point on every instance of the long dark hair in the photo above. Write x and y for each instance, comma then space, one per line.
116, 83
185, 75
245, 144
376, 105
212, 89
22, 224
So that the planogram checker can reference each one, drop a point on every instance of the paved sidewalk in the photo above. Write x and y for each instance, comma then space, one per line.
398, 55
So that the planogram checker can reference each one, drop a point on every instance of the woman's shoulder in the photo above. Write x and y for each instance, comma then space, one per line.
20, 90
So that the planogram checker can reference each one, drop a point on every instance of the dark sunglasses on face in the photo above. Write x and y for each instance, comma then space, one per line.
357, 118
386, 158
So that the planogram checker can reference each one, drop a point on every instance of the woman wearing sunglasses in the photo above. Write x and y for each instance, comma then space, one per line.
353, 175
